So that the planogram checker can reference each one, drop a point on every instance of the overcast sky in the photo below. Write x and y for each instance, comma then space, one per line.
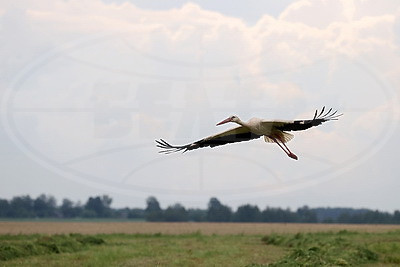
87, 86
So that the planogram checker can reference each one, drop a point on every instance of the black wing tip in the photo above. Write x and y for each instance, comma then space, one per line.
167, 148
327, 116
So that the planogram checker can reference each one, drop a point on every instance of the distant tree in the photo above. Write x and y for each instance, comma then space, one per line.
328, 220
368, 216
94, 206
128, 213
120, 213
153, 212
278, 215
305, 215
197, 215
217, 212
135, 213
176, 213
247, 213
374, 217
67, 208
329, 215
21, 207
89, 213
98, 207
345, 217
396, 217
70, 210
152, 204
4, 208
45, 206
106, 200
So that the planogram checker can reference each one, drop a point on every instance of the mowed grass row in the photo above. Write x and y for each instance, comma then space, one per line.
137, 250
313, 249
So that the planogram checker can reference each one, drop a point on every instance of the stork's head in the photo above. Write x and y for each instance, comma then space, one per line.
230, 119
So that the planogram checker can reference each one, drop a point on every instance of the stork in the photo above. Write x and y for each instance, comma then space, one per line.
274, 131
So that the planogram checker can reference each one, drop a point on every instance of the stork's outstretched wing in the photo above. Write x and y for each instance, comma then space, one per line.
299, 125
238, 134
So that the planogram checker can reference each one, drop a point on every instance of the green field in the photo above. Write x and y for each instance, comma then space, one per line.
196, 249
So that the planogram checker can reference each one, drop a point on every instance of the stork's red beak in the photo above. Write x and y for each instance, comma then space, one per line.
224, 121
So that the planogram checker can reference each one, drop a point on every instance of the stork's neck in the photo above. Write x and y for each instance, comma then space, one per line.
240, 122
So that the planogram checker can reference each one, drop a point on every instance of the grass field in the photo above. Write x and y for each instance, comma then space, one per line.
209, 245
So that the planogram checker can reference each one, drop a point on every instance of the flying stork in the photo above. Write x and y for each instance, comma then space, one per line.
274, 131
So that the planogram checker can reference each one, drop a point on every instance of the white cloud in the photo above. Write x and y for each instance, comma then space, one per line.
317, 14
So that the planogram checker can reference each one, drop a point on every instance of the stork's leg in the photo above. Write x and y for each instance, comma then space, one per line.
291, 154
287, 150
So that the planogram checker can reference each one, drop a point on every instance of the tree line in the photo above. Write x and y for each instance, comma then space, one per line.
45, 206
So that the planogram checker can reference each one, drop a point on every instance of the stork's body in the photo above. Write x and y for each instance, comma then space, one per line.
273, 132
